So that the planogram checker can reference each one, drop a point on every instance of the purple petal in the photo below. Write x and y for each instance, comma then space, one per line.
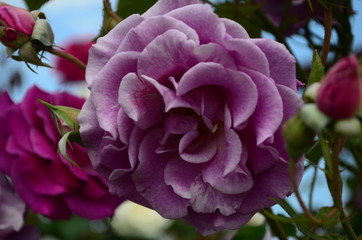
210, 223
90, 131
197, 149
169, 54
240, 91
205, 199
178, 124
140, 101
149, 179
213, 52
106, 47
234, 29
105, 93
271, 183
281, 62
291, 101
164, 6
242, 49
180, 175
41, 145
142, 35
226, 172
268, 114
203, 20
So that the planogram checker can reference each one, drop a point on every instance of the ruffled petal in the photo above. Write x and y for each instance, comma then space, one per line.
234, 29
140, 101
268, 114
106, 47
195, 148
164, 6
105, 93
205, 199
169, 54
239, 90
203, 20
281, 62
242, 49
180, 175
150, 182
142, 35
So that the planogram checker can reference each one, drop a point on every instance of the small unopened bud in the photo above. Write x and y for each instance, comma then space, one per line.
311, 92
313, 117
16, 25
348, 127
339, 95
298, 136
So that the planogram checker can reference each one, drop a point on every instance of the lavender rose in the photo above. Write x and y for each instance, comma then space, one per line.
185, 115
46, 181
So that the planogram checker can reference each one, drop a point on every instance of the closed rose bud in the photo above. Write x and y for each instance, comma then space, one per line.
16, 25
339, 95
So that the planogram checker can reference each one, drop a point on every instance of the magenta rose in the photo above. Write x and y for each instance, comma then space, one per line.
16, 25
185, 115
70, 71
45, 180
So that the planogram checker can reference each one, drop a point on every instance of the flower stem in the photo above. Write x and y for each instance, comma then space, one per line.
67, 56
337, 188
308, 214
327, 34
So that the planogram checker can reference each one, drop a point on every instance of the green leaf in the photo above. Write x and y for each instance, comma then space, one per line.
251, 233
329, 215
35, 4
317, 71
126, 8
62, 146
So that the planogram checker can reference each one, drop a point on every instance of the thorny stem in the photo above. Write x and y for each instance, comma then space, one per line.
274, 225
327, 34
68, 56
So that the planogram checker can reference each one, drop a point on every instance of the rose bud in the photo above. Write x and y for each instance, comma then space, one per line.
339, 95
16, 25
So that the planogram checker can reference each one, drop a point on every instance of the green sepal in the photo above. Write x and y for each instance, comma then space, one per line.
42, 35
29, 55
62, 146
66, 118
317, 71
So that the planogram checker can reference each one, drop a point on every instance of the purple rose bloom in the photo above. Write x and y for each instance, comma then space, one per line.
44, 179
12, 208
185, 115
